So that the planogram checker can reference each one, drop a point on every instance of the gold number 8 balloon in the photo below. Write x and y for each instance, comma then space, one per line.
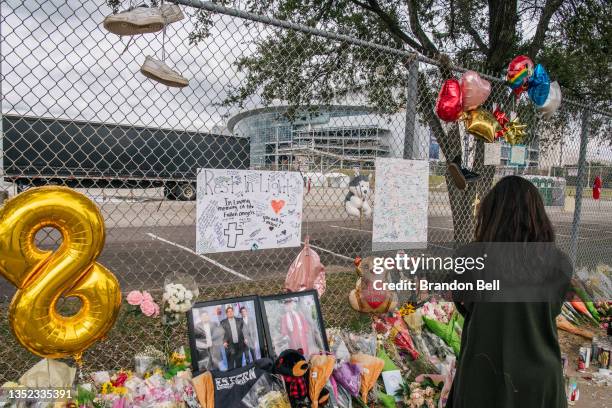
42, 277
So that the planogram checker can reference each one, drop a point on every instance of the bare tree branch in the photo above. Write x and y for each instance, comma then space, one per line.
417, 29
464, 19
550, 8
391, 23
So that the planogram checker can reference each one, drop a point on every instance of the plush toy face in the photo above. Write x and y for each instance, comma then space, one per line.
360, 186
292, 363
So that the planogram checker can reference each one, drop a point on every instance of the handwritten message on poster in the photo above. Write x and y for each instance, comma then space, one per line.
239, 210
400, 204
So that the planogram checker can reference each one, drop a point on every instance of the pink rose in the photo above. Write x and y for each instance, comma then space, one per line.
156, 313
149, 308
147, 296
134, 298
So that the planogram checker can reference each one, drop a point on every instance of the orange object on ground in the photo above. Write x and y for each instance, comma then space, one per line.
321, 368
564, 324
371, 367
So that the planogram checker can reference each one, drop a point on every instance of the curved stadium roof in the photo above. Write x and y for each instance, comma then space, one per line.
332, 110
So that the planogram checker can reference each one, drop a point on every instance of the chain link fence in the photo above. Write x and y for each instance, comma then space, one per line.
76, 111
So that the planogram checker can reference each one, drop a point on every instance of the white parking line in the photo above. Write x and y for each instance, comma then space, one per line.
350, 229
331, 252
212, 261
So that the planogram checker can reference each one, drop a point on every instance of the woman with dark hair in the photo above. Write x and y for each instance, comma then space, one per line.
510, 355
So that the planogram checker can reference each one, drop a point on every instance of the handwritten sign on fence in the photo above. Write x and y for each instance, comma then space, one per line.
239, 210
400, 204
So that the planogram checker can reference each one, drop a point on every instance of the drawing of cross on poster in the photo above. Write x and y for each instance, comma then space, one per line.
241, 210
232, 232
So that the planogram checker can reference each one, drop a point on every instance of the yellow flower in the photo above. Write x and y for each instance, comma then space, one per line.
107, 388
120, 390
177, 358
407, 309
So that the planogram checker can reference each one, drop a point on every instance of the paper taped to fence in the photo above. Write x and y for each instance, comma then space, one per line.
400, 204
239, 210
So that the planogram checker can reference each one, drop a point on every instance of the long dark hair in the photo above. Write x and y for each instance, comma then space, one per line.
513, 211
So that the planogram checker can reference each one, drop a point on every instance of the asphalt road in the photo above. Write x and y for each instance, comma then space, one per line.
142, 256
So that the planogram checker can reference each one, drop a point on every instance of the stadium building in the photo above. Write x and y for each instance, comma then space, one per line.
337, 136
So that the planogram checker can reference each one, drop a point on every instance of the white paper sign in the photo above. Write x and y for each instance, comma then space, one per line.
400, 204
492, 154
240, 210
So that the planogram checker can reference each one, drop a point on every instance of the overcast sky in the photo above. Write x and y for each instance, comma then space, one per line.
58, 61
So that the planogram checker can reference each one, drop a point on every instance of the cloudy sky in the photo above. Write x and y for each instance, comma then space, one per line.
58, 61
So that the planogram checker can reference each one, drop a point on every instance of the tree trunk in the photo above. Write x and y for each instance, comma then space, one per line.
461, 202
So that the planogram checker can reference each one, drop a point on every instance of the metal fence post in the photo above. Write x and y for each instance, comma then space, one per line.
580, 181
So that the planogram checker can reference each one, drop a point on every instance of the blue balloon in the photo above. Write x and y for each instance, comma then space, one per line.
538, 85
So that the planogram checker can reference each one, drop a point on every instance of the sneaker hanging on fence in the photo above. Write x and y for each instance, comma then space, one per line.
306, 271
461, 176
162, 73
143, 19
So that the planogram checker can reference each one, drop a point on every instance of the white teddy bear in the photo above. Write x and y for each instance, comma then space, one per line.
356, 200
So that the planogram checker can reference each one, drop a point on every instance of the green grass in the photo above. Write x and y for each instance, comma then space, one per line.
132, 333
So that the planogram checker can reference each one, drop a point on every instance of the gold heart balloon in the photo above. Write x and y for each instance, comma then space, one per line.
482, 124
43, 277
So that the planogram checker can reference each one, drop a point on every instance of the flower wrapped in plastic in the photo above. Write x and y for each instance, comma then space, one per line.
180, 293
361, 343
393, 327
267, 392
371, 367
445, 322
321, 368
348, 375
337, 345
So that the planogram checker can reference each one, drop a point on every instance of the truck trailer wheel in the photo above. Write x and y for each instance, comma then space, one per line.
186, 191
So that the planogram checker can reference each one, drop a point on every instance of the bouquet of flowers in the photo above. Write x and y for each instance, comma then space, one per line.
124, 389
394, 328
416, 395
444, 321
142, 302
180, 292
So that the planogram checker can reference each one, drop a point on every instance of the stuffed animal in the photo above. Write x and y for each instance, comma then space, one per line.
364, 298
356, 201
294, 368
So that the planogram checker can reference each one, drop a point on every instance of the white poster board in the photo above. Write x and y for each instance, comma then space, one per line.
400, 204
239, 210
492, 154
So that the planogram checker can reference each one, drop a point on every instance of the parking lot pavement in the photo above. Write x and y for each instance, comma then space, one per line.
148, 237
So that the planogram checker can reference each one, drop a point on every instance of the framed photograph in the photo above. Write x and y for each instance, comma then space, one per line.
294, 321
225, 334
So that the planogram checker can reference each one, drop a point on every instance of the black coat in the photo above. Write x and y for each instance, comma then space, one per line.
510, 355
227, 336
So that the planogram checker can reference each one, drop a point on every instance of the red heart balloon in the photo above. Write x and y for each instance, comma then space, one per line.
449, 104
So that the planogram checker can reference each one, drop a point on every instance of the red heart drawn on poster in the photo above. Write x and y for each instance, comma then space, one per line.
277, 205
